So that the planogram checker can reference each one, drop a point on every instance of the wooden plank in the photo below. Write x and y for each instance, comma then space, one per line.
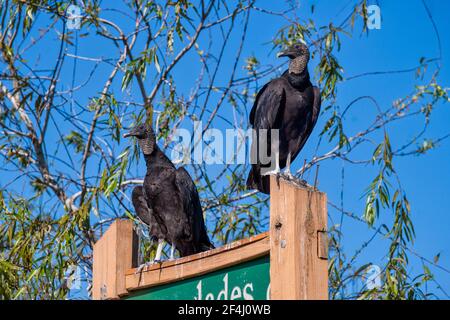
322, 250
113, 254
298, 265
198, 264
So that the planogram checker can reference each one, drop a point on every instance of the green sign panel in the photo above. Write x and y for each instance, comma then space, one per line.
246, 281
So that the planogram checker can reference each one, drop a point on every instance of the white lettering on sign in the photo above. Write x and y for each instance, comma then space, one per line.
223, 294
237, 292
247, 295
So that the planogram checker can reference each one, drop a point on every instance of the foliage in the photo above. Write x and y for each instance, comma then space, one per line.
67, 173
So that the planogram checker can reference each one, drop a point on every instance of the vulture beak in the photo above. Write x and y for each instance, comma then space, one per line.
287, 53
131, 133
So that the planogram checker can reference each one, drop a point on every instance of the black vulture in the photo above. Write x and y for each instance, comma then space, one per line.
168, 202
145, 213
290, 104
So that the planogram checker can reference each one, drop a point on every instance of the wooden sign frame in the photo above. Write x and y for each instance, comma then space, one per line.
296, 242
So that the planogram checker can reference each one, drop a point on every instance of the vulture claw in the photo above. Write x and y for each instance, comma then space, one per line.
288, 176
272, 173
143, 267
275, 173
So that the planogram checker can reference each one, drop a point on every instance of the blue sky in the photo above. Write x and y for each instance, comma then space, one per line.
405, 36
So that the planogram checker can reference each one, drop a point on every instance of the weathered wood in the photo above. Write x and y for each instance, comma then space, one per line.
113, 254
298, 220
322, 250
296, 242
198, 264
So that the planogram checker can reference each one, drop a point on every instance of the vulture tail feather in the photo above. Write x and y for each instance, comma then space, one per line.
258, 182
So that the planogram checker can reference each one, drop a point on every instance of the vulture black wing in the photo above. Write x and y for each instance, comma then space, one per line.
317, 104
267, 114
255, 104
193, 209
268, 105
145, 213
309, 107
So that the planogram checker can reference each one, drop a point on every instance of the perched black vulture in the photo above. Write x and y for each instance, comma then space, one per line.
145, 213
168, 202
290, 104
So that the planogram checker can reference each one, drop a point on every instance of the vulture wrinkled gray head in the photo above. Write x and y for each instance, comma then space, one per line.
299, 55
145, 136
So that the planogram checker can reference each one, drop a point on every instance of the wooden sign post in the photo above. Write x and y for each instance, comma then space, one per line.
298, 245
114, 254
287, 262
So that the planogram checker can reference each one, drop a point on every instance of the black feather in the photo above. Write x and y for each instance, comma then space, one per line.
291, 104
169, 203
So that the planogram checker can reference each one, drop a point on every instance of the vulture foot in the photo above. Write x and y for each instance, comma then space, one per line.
288, 176
143, 267
299, 182
275, 173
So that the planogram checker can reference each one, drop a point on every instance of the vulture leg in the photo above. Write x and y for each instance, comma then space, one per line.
159, 251
277, 170
142, 267
287, 172
172, 252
